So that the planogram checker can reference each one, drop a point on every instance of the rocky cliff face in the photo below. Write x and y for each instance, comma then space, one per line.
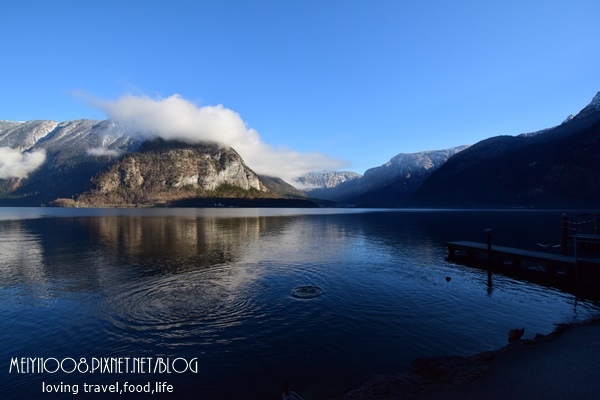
162, 171
102, 164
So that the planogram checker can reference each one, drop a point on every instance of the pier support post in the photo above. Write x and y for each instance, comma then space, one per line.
489, 246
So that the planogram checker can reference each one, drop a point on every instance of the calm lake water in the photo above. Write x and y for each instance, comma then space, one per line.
325, 299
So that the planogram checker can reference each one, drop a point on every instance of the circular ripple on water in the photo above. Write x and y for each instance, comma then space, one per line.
179, 307
306, 292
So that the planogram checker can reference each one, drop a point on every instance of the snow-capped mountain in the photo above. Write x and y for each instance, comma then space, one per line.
324, 179
591, 108
391, 183
23, 136
41, 161
407, 164
53, 137
8, 125
48, 159
557, 166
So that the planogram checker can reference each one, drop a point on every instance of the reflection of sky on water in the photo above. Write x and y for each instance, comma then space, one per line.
184, 282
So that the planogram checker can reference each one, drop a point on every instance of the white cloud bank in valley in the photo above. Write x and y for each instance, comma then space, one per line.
176, 118
14, 164
103, 152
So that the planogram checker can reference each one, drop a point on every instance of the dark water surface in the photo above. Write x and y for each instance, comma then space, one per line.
325, 299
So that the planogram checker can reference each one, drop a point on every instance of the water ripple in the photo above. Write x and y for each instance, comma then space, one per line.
306, 292
179, 306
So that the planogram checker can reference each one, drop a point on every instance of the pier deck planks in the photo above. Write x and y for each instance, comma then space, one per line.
514, 253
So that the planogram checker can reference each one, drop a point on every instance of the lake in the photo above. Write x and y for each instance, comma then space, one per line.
226, 303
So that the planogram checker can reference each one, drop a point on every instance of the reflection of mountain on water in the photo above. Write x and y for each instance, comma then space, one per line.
175, 244
86, 253
21, 257
261, 298
83, 251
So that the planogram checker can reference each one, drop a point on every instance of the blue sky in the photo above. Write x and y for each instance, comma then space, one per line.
356, 81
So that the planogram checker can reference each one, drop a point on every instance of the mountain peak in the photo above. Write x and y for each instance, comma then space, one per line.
324, 179
596, 100
592, 107
569, 117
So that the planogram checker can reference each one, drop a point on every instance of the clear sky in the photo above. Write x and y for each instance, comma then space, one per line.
357, 81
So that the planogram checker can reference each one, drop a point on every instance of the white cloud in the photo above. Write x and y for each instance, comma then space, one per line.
176, 118
102, 151
14, 164
305, 186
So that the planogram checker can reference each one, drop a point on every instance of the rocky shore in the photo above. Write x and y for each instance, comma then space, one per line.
563, 364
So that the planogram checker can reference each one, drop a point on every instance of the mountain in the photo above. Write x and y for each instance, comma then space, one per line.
161, 171
556, 167
280, 187
97, 163
391, 184
70, 154
324, 179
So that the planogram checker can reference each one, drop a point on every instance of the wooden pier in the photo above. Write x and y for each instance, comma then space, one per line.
510, 257
573, 267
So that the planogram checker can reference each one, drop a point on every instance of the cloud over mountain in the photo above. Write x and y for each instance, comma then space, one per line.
14, 164
101, 151
177, 118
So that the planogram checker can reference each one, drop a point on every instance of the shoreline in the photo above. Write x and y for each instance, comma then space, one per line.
449, 376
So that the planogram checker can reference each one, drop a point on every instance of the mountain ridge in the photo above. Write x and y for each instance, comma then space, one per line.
557, 168
551, 167
392, 183
324, 179
78, 152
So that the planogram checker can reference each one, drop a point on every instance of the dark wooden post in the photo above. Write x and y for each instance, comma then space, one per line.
564, 234
489, 245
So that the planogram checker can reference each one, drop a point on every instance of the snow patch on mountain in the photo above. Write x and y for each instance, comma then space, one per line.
5, 125
596, 101
24, 136
324, 179
591, 108
569, 117
405, 164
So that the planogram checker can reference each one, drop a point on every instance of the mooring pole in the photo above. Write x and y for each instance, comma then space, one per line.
564, 234
489, 245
